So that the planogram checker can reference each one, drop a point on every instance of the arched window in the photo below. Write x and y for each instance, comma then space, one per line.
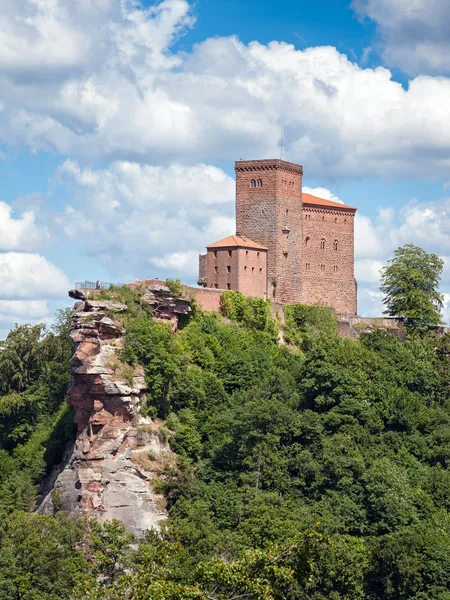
252, 183
322, 244
259, 182
335, 244
307, 242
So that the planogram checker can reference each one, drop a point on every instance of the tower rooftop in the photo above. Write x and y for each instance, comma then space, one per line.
310, 200
236, 241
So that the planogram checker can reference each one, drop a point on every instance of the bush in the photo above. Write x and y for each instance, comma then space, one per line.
175, 287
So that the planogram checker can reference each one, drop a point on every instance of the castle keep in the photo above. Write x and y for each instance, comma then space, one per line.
289, 247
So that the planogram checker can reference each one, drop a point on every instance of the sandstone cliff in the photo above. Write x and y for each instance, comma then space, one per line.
118, 454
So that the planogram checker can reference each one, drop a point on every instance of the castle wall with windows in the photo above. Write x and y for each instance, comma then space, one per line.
327, 264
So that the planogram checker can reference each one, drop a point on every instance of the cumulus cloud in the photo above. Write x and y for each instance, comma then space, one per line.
135, 218
30, 309
425, 224
19, 312
21, 234
414, 33
322, 192
117, 90
367, 270
26, 276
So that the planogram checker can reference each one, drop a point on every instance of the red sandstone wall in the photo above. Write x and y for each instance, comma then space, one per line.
271, 215
252, 272
327, 273
208, 299
222, 270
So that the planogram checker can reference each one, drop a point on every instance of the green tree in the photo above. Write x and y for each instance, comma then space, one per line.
410, 283
40, 557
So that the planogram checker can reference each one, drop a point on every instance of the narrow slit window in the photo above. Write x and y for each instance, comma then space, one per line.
335, 244
253, 183
322, 244
259, 183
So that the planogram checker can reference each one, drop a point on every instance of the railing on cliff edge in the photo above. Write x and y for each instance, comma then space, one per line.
93, 285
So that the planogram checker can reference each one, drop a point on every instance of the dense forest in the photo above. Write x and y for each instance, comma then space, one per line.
314, 469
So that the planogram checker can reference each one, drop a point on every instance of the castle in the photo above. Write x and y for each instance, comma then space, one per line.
289, 247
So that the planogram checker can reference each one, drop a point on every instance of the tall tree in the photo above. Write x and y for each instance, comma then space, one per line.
410, 284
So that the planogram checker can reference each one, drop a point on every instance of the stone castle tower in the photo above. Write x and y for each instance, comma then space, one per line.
289, 247
269, 211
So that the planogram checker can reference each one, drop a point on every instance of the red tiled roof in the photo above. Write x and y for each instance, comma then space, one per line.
235, 241
315, 201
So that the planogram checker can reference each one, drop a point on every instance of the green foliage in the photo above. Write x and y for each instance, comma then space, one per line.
313, 471
133, 298
39, 559
302, 322
35, 422
175, 287
251, 312
410, 284
311, 561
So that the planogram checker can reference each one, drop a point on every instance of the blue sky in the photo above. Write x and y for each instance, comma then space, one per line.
120, 123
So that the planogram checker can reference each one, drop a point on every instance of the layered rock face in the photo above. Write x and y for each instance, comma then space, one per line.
118, 454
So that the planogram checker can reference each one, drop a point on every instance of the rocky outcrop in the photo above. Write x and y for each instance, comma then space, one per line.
118, 454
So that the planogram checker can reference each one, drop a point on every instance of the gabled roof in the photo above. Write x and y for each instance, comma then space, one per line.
235, 241
315, 201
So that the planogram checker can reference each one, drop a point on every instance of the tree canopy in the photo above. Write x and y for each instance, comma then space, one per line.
312, 470
410, 283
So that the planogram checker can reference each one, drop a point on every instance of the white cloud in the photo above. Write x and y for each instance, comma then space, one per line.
367, 270
21, 234
22, 312
30, 309
370, 302
425, 224
184, 264
414, 33
29, 276
322, 192
134, 217
117, 90
62, 38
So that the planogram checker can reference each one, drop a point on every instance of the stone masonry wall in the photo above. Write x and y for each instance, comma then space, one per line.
270, 214
222, 268
252, 272
328, 272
